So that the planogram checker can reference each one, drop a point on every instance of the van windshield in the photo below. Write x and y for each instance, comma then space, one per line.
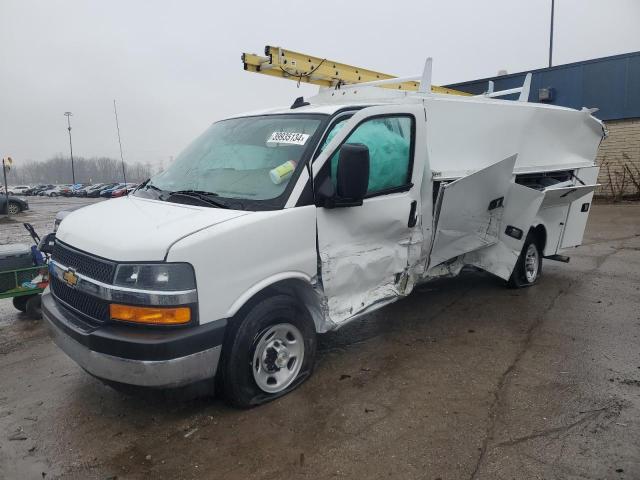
251, 158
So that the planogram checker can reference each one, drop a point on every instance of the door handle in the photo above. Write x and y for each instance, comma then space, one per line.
413, 218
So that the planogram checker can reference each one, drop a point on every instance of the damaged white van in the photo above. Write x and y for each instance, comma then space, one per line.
274, 227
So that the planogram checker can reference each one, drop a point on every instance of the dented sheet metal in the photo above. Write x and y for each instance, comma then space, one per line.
366, 254
470, 134
521, 206
470, 211
369, 254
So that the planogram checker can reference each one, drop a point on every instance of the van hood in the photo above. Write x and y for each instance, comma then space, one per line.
133, 229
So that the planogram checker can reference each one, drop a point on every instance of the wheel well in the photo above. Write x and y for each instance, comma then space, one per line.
299, 289
540, 234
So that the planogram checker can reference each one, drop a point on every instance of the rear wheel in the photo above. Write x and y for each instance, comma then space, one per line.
14, 208
529, 266
271, 352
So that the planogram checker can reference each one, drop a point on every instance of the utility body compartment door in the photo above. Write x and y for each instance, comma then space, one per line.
565, 211
367, 253
520, 209
580, 198
469, 212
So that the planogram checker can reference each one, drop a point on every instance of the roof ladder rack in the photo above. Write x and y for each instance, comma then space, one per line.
523, 90
323, 72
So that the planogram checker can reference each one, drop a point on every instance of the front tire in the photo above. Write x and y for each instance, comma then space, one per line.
529, 266
271, 352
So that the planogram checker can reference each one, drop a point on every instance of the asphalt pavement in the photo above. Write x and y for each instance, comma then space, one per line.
464, 379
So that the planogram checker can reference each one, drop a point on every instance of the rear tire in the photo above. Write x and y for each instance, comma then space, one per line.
529, 266
269, 353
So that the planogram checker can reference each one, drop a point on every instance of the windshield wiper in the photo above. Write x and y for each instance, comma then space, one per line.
199, 192
147, 185
200, 195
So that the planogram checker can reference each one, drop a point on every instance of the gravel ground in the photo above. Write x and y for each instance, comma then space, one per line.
462, 380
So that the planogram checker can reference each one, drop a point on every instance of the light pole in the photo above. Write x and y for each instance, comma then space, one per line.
6, 164
73, 172
553, 4
115, 111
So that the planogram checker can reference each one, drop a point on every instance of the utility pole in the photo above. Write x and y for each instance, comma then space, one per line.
553, 4
6, 164
73, 172
115, 111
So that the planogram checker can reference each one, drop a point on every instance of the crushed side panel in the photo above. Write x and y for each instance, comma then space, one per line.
359, 266
520, 209
470, 212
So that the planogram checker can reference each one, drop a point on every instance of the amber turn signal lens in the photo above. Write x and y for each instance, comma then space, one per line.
150, 315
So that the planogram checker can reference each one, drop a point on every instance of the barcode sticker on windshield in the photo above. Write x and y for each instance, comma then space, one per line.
288, 137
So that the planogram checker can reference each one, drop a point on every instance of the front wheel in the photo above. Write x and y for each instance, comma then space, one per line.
271, 353
529, 266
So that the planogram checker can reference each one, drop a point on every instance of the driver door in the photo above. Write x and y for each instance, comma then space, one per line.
367, 252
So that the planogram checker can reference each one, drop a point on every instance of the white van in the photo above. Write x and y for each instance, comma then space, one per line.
273, 227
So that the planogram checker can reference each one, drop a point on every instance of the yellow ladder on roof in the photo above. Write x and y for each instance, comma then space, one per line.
301, 67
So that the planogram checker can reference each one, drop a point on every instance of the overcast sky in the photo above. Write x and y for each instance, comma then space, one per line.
174, 66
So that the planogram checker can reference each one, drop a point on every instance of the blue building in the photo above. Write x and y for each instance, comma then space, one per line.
611, 84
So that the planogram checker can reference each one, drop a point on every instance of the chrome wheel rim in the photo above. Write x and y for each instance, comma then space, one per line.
278, 357
13, 209
531, 263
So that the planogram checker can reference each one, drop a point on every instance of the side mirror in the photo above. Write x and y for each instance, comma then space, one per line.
352, 179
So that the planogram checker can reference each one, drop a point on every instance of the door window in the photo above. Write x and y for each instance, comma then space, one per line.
389, 142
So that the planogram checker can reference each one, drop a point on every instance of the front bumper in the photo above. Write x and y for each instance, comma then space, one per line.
161, 358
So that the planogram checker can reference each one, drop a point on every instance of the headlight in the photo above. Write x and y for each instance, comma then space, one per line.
158, 276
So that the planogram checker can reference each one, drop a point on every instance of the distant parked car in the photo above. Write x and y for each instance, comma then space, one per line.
18, 190
54, 191
37, 188
74, 189
16, 205
121, 192
39, 191
82, 192
107, 192
96, 191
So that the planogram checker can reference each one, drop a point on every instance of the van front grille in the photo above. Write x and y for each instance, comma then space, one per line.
92, 307
96, 268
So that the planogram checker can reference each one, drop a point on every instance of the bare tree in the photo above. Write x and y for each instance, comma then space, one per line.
57, 170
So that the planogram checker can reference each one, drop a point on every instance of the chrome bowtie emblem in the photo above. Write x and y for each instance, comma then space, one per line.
70, 277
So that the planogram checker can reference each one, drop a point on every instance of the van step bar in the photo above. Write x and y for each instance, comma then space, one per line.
558, 258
